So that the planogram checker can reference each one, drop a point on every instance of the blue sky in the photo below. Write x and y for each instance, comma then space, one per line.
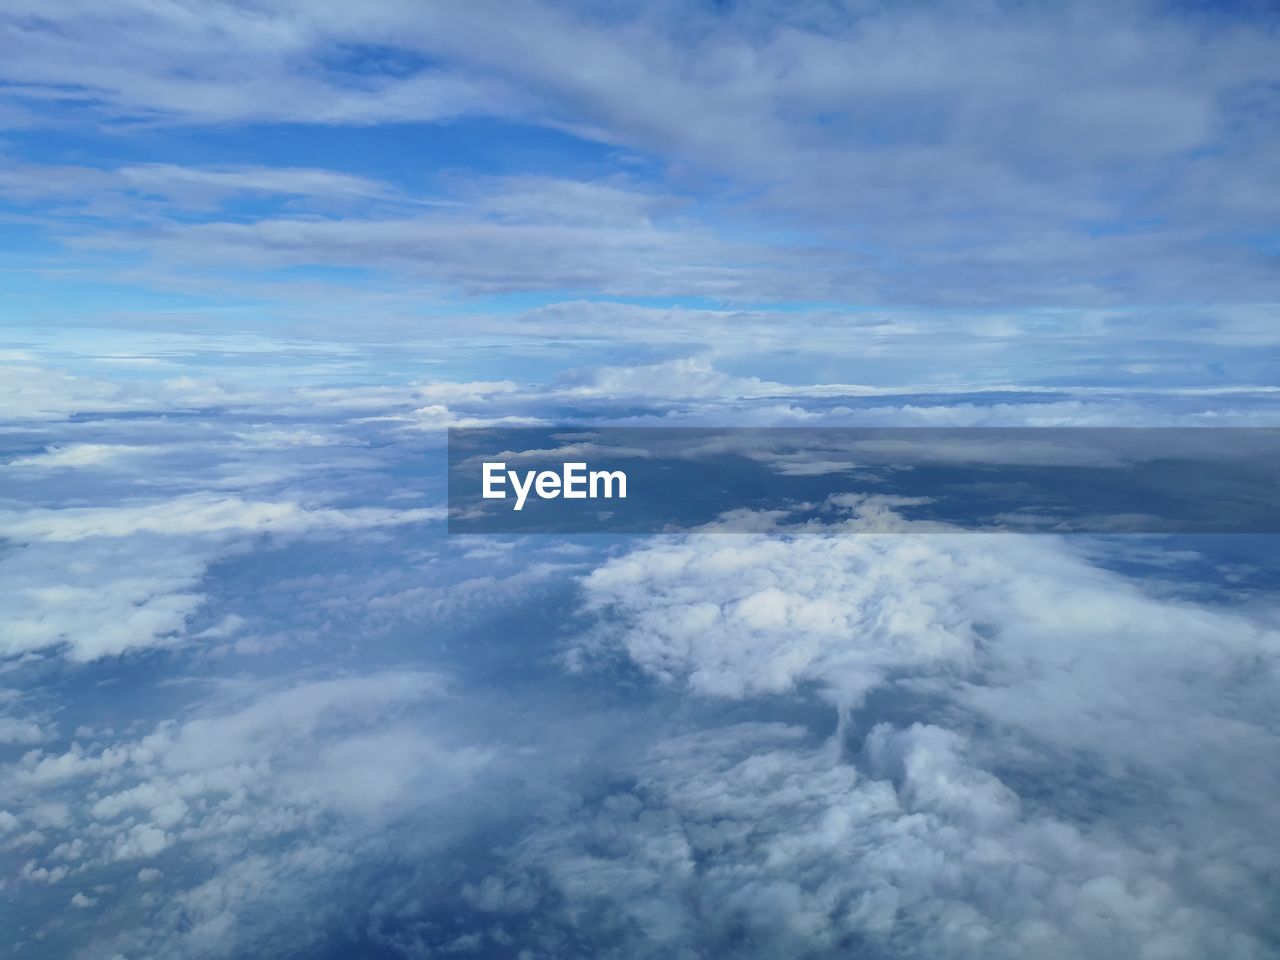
257, 257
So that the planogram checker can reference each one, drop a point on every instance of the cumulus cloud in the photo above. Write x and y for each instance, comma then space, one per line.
755, 833
101, 581
256, 766
98, 600
1016, 616
100, 575
924, 745
1032, 660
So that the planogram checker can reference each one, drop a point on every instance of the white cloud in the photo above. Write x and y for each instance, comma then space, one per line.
979, 162
98, 600
102, 581
237, 784
1100, 702
75, 455
1020, 616
1048, 759
196, 514
907, 849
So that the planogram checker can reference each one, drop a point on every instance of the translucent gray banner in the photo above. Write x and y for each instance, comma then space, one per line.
858, 480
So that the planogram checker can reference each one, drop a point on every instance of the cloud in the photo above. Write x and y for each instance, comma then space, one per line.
128, 571
1051, 701
158, 80
285, 759
156, 187
908, 848
1018, 616
516, 235
951, 155
106, 580
196, 514
100, 599
75, 455
934, 746
735, 618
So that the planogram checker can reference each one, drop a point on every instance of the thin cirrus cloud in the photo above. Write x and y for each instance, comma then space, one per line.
1091, 155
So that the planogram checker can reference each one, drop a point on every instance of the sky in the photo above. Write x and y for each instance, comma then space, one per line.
255, 701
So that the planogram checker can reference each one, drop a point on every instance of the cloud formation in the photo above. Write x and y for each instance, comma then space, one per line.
258, 257
945, 154
1034, 662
